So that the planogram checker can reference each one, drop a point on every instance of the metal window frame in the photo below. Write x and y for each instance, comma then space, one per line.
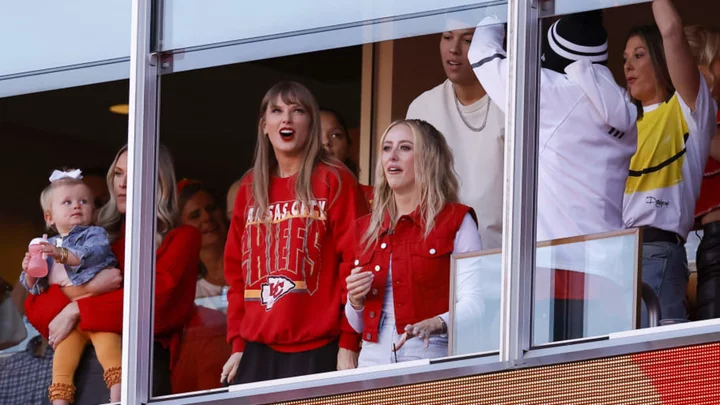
64, 77
143, 121
520, 193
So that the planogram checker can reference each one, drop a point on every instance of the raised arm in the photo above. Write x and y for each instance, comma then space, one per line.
680, 61
488, 59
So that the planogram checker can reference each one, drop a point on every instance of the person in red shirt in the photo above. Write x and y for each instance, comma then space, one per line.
204, 349
336, 140
705, 46
176, 269
399, 291
290, 234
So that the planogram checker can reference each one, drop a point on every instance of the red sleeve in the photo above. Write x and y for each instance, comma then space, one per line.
369, 192
102, 313
176, 274
351, 204
233, 267
43, 308
105, 312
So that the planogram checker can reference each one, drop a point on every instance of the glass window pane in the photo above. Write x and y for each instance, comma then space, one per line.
581, 184
275, 303
188, 24
585, 287
574, 6
475, 312
44, 132
45, 35
590, 184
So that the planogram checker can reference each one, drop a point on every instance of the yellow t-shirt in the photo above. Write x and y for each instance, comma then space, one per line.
665, 172
661, 149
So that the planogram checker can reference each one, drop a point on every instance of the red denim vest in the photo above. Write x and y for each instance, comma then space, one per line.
420, 267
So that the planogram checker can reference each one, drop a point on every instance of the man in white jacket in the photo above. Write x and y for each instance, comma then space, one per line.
587, 124
587, 136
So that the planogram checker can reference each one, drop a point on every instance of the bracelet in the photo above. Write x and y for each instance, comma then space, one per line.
444, 325
63, 255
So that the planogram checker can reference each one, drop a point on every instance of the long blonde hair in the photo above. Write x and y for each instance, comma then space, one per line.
705, 47
265, 160
436, 182
167, 202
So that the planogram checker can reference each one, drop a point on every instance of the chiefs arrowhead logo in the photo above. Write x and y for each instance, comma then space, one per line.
274, 289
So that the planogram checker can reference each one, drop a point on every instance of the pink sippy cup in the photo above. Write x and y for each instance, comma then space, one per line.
38, 265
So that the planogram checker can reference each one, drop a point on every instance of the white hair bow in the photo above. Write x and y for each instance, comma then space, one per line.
59, 174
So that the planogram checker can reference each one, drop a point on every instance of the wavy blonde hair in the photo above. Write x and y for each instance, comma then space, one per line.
436, 182
167, 201
265, 160
705, 46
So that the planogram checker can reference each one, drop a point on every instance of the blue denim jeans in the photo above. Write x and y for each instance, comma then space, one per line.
665, 270
381, 352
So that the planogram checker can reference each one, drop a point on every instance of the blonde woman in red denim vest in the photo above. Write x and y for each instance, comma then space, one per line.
399, 291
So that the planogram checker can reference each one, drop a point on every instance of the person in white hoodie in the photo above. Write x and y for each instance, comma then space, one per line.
587, 136
587, 124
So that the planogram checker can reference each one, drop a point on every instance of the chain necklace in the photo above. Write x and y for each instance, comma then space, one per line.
465, 121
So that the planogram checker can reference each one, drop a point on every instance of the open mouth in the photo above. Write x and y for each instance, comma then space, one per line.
394, 170
453, 64
287, 134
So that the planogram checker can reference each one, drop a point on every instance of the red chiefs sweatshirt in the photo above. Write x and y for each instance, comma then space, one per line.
175, 277
284, 265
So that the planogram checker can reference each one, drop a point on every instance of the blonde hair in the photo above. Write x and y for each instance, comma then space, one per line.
436, 182
167, 202
46, 196
705, 47
265, 160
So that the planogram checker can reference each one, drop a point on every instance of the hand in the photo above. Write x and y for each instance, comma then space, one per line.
61, 326
358, 285
421, 330
347, 359
50, 250
26, 261
106, 280
230, 368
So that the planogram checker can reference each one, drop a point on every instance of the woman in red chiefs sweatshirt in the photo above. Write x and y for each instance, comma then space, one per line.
52, 313
399, 291
290, 232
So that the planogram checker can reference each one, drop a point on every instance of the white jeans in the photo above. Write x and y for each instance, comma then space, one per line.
381, 352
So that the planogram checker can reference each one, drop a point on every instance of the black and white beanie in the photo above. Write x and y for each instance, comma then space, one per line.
575, 37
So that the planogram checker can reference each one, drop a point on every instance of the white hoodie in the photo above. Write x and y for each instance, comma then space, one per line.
587, 137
